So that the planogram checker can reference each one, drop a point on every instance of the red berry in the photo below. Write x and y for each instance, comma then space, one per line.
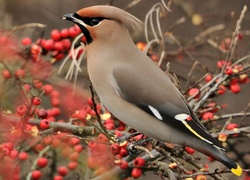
44, 124
13, 154
139, 161
5, 151
222, 90
235, 88
37, 83
74, 141
64, 33
58, 46
109, 126
240, 37
77, 29
36, 175
57, 177
208, 77
231, 126
194, 91
55, 35
72, 32
9, 145
54, 94
229, 71
72, 165
115, 149
136, 172
78, 148
23, 156
123, 152
55, 102
86, 108
220, 64
208, 116
26, 41
36, 101
74, 156
47, 140
48, 44
62, 170
42, 113
189, 150
47, 88
21, 110
123, 165
19, 73
6, 74
42, 162
102, 138
66, 44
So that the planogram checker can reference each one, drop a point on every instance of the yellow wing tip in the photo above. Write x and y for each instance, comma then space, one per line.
237, 171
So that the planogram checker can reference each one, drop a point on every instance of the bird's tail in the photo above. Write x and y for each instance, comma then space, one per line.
220, 155
229, 163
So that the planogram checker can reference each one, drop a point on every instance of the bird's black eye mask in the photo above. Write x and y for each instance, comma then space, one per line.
81, 21
91, 21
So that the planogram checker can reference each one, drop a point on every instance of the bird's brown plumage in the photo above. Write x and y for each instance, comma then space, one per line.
118, 71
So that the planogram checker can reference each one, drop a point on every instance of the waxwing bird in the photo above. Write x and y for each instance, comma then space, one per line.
134, 89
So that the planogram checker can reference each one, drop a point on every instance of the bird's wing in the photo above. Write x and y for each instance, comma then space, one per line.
153, 92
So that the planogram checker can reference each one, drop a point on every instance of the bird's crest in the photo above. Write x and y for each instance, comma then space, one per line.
110, 12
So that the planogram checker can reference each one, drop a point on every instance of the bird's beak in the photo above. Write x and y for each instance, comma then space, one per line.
69, 17
77, 20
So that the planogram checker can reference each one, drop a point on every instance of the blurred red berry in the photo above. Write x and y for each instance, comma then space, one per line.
235, 88
221, 90
26, 41
57, 177
6, 74
139, 161
208, 77
55, 35
35, 175
115, 149
47, 88
123, 165
13, 154
21, 110
36, 101
44, 124
66, 44
42, 113
123, 152
229, 71
189, 150
23, 156
19, 73
102, 138
64, 33
72, 32
42, 162
72, 165
231, 126
136, 172
58, 46
48, 44
62, 170
194, 91
78, 148
208, 116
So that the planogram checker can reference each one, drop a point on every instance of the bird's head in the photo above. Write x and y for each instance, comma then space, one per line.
100, 22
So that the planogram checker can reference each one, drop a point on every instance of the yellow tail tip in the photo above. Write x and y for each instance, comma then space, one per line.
237, 171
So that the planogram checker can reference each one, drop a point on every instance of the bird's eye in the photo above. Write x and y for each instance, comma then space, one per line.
95, 21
